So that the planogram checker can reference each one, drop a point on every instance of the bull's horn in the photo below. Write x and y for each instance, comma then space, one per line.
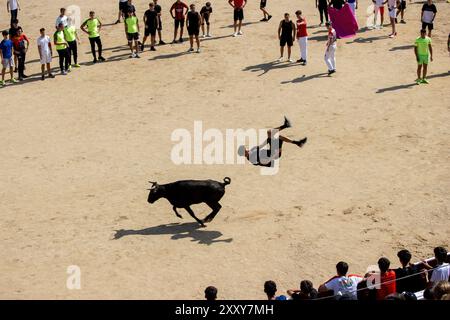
152, 182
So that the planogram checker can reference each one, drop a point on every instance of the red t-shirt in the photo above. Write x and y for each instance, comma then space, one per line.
18, 40
179, 10
238, 3
301, 28
387, 288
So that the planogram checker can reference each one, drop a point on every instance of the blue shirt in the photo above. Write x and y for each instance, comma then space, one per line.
6, 47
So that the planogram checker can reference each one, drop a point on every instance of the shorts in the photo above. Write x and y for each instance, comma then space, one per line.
123, 6
262, 4
238, 14
423, 59
429, 25
286, 40
133, 36
179, 23
46, 58
150, 30
206, 19
402, 5
8, 63
193, 31
392, 12
380, 8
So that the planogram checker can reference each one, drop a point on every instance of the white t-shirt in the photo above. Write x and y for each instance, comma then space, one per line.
62, 20
13, 5
441, 273
43, 42
392, 4
379, 3
344, 285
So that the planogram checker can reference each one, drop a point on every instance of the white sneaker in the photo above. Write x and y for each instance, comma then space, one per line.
235, 34
240, 33
290, 60
133, 55
203, 36
209, 36
198, 50
280, 59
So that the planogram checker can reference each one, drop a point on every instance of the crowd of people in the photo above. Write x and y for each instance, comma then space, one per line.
419, 281
15, 44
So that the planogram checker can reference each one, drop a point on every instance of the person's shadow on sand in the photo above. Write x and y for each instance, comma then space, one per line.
178, 231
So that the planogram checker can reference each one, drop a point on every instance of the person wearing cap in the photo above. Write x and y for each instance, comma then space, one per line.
330, 58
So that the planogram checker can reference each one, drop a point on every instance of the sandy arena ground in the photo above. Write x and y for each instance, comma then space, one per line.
77, 152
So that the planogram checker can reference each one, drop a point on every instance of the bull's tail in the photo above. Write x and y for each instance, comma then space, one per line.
226, 181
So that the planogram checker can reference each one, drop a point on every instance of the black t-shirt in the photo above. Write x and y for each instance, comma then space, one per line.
302, 296
206, 11
323, 4
337, 4
410, 284
194, 19
151, 18
157, 8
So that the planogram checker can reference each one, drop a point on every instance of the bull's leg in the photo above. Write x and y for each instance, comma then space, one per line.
176, 212
216, 208
189, 210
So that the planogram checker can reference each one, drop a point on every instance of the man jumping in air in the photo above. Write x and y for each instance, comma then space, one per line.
260, 156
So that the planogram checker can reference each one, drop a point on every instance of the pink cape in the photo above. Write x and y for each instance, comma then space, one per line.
343, 21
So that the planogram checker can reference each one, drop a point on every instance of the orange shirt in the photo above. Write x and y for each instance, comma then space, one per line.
389, 287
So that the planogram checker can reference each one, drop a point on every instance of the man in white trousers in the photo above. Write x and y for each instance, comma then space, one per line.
302, 37
330, 59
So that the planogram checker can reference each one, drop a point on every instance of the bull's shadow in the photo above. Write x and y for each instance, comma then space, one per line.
178, 231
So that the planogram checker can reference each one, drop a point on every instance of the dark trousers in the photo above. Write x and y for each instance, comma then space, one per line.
21, 62
323, 11
97, 41
63, 59
13, 15
73, 51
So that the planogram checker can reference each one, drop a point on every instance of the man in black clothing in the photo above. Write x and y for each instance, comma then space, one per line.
151, 25
158, 10
193, 27
322, 5
414, 281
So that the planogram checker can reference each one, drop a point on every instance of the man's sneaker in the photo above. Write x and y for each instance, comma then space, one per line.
302, 142
198, 50
203, 36
95, 61
142, 47
180, 40
132, 55
418, 81
76, 65
51, 75
300, 60
161, 42
137, 56
263, 20
269, 17
235, 34
330, 72
304, 63
13, 80
152, 48
280, 59
402, 21
424, 81
43, 77
209, 35
63, 73
24, 76
174, 41
101, 59
191, 49
290, 60
287, 123
240, 33
2, 83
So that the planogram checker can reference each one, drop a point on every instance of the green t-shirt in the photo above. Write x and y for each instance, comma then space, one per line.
92, 27
422, 46
132, 24
59, 38
70, 33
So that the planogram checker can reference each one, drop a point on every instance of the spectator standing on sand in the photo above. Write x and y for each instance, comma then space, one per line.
262, 7
392, 7
151, 22
378, 7
193, 27
132, 33
62, 46
205, 13
211, 293
44, 45
12, 34
408, 275
122, 10
179, 16
238, 15
424, 54
71, 35
13, 7
302, 37
401, 7
6, 55
330, 58
341, 284
62, 18
322, 6
286, 35
428, 15
94, 26
270, 289
21, 44
306, 292
387, 279
442, 269
158, 10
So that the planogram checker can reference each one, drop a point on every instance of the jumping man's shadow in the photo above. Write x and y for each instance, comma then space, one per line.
178, 231
266, 67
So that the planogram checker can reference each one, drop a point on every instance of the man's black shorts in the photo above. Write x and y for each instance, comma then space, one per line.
286, 40
133, 36
238, 14
150, 30
263, 4
179, 23
193, 31
402, 5
429, 25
